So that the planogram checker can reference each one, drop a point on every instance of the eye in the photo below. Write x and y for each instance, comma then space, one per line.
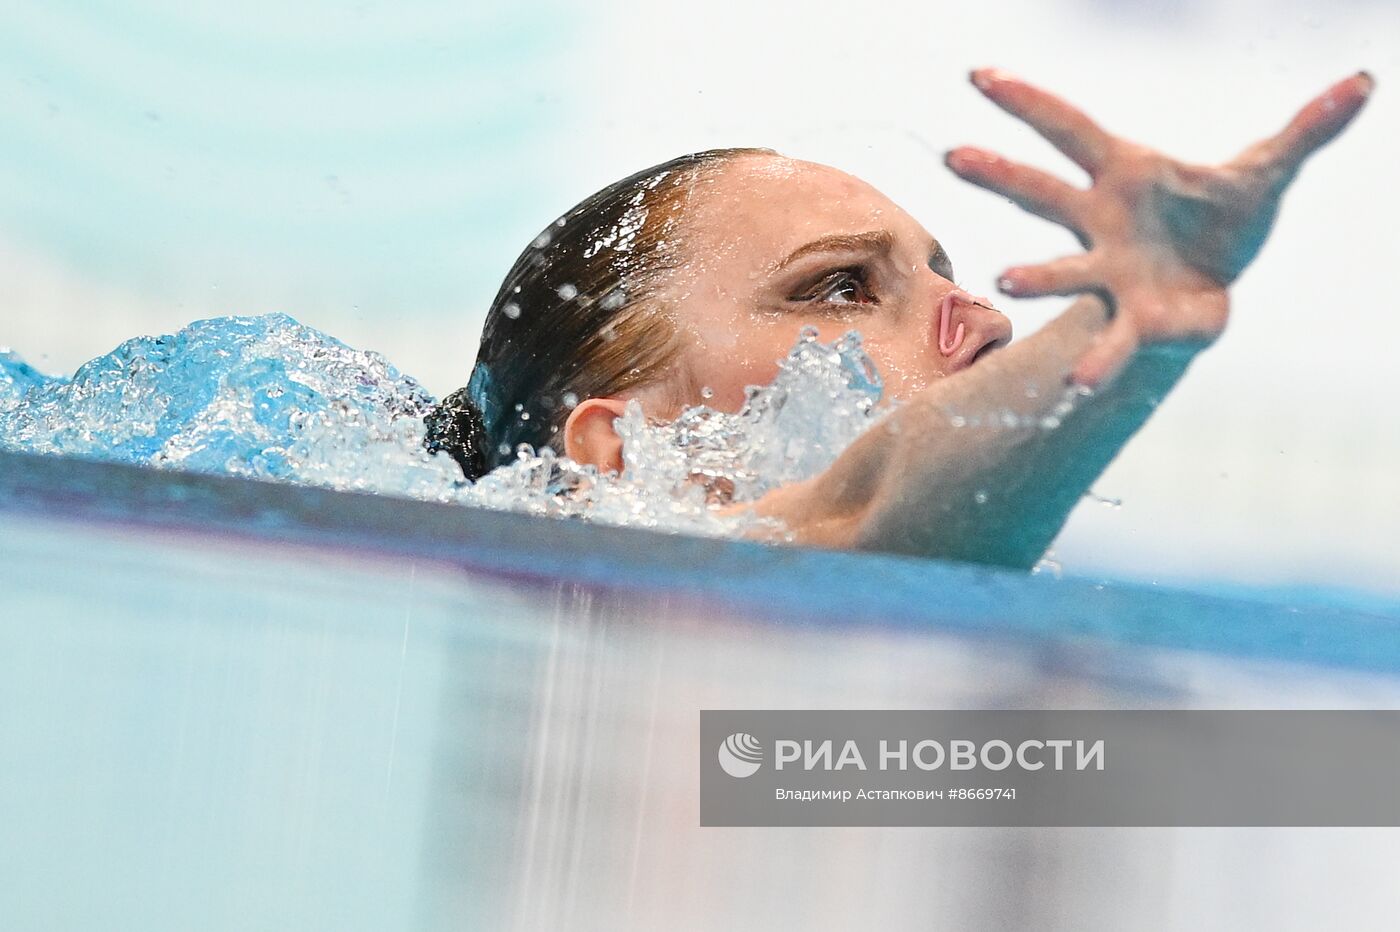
842, 286
940, 263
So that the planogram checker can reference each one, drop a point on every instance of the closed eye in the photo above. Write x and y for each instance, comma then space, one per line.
848, 286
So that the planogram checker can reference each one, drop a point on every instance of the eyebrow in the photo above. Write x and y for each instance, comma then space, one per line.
877, 241
881, 241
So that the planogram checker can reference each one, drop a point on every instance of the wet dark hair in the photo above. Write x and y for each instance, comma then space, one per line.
575, 317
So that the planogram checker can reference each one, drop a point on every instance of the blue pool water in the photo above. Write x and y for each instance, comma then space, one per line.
232, 704
249, 689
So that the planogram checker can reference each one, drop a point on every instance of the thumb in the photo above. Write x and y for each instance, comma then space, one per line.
1107, 355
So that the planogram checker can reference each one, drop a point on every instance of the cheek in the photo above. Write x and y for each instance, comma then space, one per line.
720, 374
906, 364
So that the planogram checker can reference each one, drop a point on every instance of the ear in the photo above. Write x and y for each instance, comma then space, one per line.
589, 436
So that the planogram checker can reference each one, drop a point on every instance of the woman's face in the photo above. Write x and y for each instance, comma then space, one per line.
773, 245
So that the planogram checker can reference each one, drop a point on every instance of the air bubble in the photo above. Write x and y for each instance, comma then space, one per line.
707, 393
567, 292
511, 310
980, 497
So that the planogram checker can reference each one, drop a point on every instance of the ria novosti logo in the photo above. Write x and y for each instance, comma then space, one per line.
740, 754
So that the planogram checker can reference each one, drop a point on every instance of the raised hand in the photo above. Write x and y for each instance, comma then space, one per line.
1164, 238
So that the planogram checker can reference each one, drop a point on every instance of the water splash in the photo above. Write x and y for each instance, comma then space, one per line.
17, 379
269, 398
264, 397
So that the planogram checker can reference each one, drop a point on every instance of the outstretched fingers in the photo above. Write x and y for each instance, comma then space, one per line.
1317, 124
1063, 125
1067, 276
1031, 189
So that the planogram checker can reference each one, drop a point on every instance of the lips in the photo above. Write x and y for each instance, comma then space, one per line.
969, 328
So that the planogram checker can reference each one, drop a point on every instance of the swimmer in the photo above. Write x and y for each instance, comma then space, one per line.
684, 283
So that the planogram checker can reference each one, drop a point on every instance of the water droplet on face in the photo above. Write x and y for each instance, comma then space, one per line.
511, 310
707, 392
957, 420
567, 292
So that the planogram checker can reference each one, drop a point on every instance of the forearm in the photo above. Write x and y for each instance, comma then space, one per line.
986, 465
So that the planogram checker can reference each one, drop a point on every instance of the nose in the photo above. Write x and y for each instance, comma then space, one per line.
965, 325
954, 318
949, 339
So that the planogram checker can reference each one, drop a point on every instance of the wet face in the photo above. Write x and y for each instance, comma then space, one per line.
773, 245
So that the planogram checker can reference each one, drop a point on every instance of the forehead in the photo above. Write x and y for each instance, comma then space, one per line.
772, 204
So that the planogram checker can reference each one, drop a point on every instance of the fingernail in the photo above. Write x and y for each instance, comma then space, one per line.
1007, 283
1369, 78
981, 78
960, 160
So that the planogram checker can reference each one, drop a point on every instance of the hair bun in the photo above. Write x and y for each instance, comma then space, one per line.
455, 426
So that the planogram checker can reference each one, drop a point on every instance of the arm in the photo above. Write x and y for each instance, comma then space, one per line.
986, 465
